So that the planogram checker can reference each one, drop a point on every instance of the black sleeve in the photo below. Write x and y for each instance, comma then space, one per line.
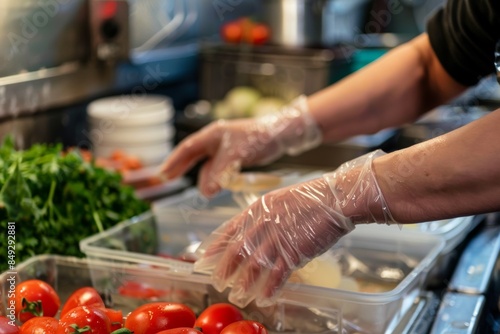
463, 35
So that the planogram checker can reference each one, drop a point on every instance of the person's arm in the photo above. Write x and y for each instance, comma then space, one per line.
396, 89
452, 175
456, 174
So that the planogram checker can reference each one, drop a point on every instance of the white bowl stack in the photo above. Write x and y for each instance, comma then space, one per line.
140, 126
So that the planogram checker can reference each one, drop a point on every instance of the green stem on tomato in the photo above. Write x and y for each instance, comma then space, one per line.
80, 330
122, 331
34, 308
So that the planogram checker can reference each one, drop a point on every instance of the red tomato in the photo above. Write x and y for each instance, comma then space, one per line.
139, 290
245, 327
152, 318
86, 296
8, 326
115, 318
216, 317
180, 330
259, 34
232, 32
35, 298
39, 325
82, 316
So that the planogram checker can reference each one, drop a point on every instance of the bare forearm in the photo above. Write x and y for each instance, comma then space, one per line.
394, 90
456, 174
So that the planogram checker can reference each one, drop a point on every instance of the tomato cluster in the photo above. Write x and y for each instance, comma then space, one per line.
245, 30
37, 304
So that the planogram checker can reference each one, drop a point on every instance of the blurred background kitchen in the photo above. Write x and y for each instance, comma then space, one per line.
135, 77
58, 56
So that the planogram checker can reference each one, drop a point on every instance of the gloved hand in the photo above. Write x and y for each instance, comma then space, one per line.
255, 252
231, 145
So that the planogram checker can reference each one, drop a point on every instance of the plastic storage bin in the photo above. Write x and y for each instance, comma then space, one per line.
226, 203
389, 269
115, 282
452, 231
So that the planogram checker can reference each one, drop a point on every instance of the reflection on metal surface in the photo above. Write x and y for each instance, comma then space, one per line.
42, 34
477, 264
419, 317
45, 56
27, 93
45, 73
459, 313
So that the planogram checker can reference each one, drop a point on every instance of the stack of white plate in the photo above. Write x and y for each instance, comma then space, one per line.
136, 125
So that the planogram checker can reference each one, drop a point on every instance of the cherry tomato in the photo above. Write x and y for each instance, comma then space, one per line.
232, 32
86, 296
35, 298
180, 330
84, 317
39, 325
216, 317
115, 318
155, 317
259, 34
245, 327
139, 290
8, 326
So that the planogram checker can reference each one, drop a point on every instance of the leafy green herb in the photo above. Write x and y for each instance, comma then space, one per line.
57, 199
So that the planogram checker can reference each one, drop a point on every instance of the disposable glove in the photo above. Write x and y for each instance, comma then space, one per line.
255, 252
233, 144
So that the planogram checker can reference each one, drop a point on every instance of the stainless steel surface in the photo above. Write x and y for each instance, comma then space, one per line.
58, 53
46, 56
28, 93
458, 314
27, 131
419, 318
296, 23
477, 264
42, 34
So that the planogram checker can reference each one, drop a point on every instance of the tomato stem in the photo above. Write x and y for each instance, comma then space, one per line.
34, 308
80, 330
122, 331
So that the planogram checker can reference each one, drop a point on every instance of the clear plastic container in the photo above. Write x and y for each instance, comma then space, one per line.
122, 286
389, 270
226, 203
451, 231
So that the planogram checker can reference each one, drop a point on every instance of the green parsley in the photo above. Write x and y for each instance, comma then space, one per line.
56, 199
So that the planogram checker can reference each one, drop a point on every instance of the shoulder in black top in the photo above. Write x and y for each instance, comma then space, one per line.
463, 35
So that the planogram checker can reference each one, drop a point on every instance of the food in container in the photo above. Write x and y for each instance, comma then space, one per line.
380, 275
